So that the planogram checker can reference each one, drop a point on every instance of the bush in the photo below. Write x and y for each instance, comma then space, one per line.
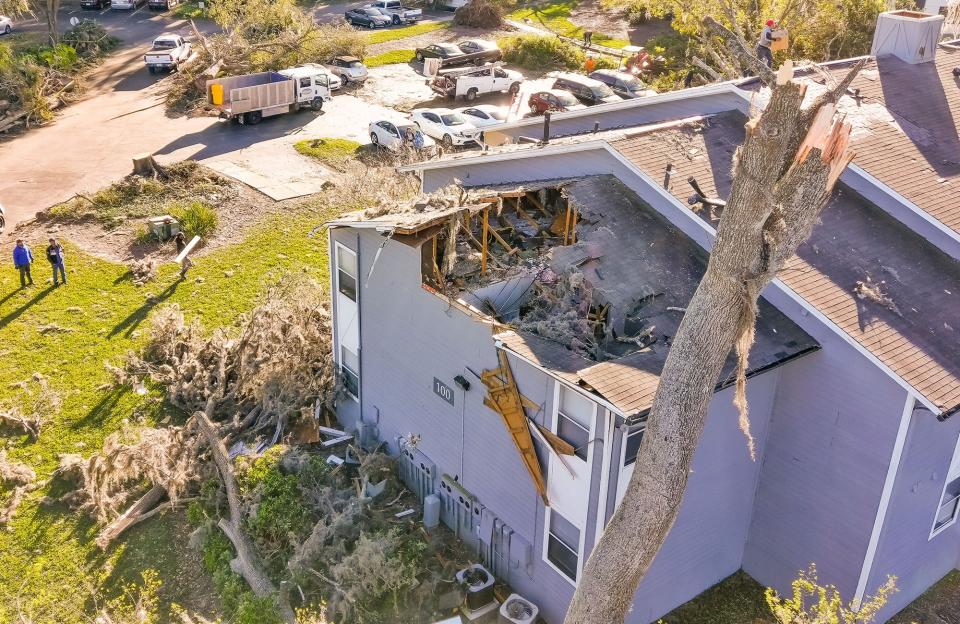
479, 14
540, 52
89, 39
196, 219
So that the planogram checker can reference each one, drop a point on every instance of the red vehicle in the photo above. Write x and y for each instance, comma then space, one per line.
553, 100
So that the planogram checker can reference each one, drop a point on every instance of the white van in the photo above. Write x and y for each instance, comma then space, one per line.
127, 5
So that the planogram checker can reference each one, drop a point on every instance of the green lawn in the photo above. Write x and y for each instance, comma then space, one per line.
328, 151
389, 58
47, 557
392, 34
737, 599
190, 10
555, 17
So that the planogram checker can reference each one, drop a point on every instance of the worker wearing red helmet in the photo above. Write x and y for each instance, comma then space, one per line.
766, 40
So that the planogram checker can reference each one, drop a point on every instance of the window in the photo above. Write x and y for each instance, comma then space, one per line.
563, 545
950, 499
304, 83
631, 445
574, 433
349, 365
347, 272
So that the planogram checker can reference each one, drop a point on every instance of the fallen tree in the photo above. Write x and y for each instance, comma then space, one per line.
783, 176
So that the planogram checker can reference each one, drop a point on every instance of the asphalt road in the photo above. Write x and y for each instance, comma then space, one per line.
121, 114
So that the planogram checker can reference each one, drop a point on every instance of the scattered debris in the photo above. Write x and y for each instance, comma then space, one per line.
21, 478
868, 289
42, 403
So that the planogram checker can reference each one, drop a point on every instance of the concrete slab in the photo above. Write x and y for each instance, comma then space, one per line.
274, 169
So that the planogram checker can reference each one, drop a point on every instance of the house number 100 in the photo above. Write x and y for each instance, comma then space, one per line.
443, 391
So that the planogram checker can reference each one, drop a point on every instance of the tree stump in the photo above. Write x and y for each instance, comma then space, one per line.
145, 165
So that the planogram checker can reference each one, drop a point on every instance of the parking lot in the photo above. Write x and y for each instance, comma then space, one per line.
122, 114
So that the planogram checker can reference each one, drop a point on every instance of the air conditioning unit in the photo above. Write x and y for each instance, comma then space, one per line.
477, 584
518, 610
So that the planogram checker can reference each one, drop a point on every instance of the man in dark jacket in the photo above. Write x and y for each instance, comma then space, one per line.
766, 40
22, 258
55, 256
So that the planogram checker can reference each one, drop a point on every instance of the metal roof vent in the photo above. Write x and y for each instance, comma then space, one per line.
911, 36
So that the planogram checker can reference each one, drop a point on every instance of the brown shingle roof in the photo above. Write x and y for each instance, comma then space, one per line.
916, 333
907, 129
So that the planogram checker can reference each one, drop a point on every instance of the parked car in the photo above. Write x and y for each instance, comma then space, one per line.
161, 5
471, 82
554, 100
3, 218
587, 90
624, 84
398, 13
398, 135
367, 16
484, 115
449, 126
168, 52
6, 24
349, 69
448, 53
94, 4
128, 5
480, 51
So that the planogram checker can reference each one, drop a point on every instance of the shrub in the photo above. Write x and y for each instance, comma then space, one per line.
90, 39
540, 52
196, 219
479, 14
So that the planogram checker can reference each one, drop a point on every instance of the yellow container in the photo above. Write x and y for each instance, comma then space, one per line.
216, 94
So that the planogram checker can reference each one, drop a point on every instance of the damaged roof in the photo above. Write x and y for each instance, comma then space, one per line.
906, 127
645, 271
878, 281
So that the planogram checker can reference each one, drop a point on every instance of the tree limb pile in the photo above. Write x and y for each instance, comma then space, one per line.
783, 176
43, 404
21, 478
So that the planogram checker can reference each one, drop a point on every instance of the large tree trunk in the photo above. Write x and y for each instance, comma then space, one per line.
779, 188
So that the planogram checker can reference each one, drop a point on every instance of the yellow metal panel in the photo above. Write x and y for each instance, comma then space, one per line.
216, 94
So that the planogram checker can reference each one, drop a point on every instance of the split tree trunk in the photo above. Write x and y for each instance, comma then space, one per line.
774, 202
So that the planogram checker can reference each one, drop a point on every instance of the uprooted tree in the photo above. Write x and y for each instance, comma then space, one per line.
783, 176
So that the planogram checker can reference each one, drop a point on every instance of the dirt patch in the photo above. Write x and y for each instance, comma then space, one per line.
238, 207
590, 15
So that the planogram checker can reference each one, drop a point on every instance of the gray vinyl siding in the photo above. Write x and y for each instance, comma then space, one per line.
835, 420
706, 543
645, 112
409, 336
904, 550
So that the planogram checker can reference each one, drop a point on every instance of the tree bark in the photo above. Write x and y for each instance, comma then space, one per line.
131, 516
776, 197
247, 563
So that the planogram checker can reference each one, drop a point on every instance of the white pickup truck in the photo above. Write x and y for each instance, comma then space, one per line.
396, 11
168, 52
470, 82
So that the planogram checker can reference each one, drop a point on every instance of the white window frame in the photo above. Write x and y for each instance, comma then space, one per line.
335, 277
952, 475
641, 429
548, 512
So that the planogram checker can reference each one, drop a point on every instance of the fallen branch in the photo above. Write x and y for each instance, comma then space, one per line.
246, 563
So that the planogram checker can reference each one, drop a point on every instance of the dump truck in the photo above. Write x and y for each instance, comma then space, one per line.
249, 98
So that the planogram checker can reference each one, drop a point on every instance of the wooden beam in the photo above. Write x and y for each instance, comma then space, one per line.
576, 219
484, 251
505, 244
533, 199
530, 220
566, 226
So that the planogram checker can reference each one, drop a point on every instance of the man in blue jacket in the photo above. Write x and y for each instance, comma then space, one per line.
22, 258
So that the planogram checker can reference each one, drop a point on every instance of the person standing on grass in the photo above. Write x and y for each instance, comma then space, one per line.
22, 258
587, 38
55, 256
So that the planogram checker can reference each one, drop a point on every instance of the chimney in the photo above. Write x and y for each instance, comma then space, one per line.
911, 36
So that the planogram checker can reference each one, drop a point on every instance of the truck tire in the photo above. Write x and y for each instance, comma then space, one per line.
419, 56
471, 94
317, 104
447, 141
151, 69
514, 88
396, 20
252, 118
371, 25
